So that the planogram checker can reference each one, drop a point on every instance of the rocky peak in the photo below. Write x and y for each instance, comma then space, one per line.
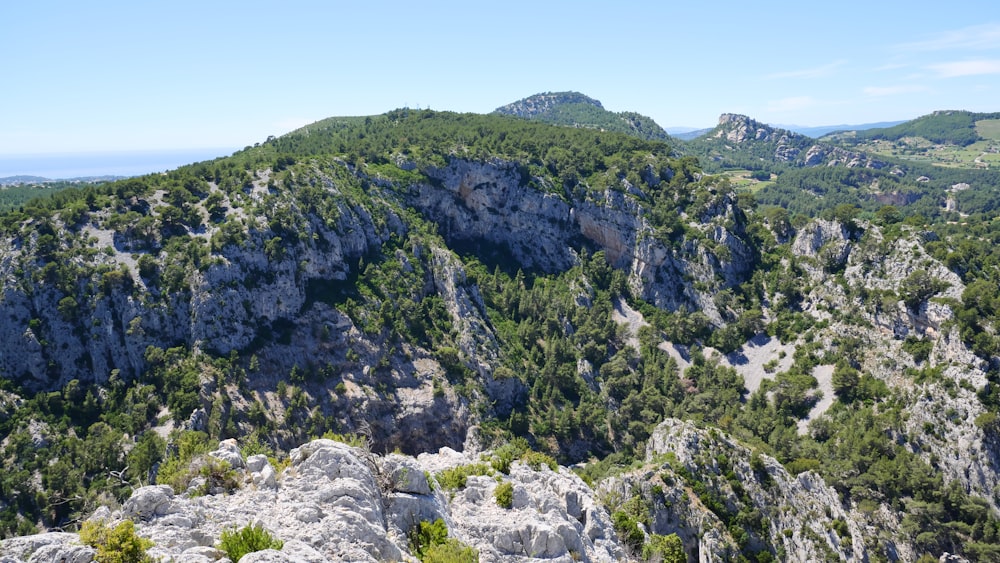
543, 103
738, 128
787, 146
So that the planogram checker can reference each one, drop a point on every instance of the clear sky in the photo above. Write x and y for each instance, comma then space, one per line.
137, 75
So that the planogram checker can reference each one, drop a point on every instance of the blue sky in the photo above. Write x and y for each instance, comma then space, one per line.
111, 76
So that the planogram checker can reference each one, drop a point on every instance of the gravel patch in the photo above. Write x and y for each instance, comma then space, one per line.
823, 375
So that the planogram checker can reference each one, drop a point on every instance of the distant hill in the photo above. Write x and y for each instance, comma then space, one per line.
690, 134
819, 131
942, 127
17, 180
20, 180
574, 109
16, 191
741, 142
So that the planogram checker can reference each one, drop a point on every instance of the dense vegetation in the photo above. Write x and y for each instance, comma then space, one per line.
15, 196
584, 389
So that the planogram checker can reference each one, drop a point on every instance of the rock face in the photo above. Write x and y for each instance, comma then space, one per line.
338, 503
492, 205
223, 306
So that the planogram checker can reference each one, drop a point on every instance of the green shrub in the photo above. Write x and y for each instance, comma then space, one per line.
176, 470
628, 530
507, 453
218, 473
451, 551
802, 464
455, 478
986, 420
536, 460
353, 440
504, 494
250, 538
429, 541
668, 549
918, 348
115, 545
427, 534
840, 526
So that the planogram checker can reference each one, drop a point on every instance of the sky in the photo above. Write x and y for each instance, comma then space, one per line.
104, 76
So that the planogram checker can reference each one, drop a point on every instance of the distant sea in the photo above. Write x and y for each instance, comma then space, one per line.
124, 163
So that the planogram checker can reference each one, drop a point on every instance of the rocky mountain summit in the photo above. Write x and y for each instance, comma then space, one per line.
541, 104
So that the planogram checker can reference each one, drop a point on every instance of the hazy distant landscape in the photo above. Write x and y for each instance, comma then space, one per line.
120, 163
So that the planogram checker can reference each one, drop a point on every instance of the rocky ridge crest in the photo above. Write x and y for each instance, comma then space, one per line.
335, 502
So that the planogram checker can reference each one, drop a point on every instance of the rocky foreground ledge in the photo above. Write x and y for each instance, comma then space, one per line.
335, 502
330, 501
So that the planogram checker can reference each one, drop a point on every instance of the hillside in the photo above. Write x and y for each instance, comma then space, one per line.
943, 139
941, 127
21, 189
728, 379
573, 109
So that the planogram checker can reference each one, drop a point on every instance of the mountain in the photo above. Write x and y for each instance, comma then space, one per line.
577, 110
477, 303
741, 142
16, 180
821, 130
690, 134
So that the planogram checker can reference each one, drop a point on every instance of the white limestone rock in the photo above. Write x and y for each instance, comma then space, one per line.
50, 546
148, 502
406, 474
229, 451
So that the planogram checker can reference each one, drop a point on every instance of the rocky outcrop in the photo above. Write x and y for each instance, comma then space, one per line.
791, 516
828, 155
787, 146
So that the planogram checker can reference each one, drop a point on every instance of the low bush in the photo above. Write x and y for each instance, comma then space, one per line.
115, 545
504, 494
429, 541
250, 538
455, 478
